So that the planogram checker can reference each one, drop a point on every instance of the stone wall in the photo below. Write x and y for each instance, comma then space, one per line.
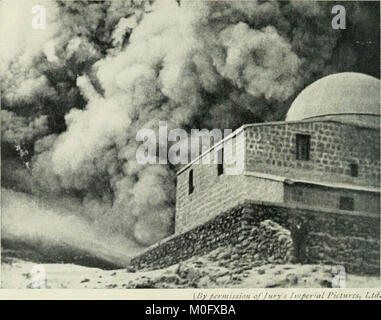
320, 236
214, 194
334, 146
328, 197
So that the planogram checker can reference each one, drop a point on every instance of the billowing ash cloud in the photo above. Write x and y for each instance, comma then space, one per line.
23, 79
118, 67
16, 129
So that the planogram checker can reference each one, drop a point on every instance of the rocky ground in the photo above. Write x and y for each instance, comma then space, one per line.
261, 259
218, 269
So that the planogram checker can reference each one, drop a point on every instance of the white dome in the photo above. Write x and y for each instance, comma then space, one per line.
347, 96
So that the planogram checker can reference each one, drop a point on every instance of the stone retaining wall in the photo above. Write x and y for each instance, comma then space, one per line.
319, 236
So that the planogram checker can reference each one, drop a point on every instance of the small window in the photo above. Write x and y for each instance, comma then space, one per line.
220, 162
190, 181
354, 170
347, 203
302, 147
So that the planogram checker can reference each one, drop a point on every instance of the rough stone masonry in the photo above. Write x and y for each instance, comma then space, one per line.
351, 240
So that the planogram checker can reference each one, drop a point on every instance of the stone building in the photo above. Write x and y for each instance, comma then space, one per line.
325, 155
316, 176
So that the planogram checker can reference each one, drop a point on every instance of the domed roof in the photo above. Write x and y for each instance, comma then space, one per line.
341, 95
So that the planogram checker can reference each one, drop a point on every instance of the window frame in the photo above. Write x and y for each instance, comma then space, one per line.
303, 146
354, 169
190, 181
220, 161
346, 203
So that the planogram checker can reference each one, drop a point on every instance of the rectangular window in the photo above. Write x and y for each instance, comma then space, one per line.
347, 203
190, 181
354, 170
302, 147
220, 162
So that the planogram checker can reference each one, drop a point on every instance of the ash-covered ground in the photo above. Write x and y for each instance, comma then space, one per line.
198, 272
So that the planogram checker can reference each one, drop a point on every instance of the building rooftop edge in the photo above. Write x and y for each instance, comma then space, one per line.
341, 114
